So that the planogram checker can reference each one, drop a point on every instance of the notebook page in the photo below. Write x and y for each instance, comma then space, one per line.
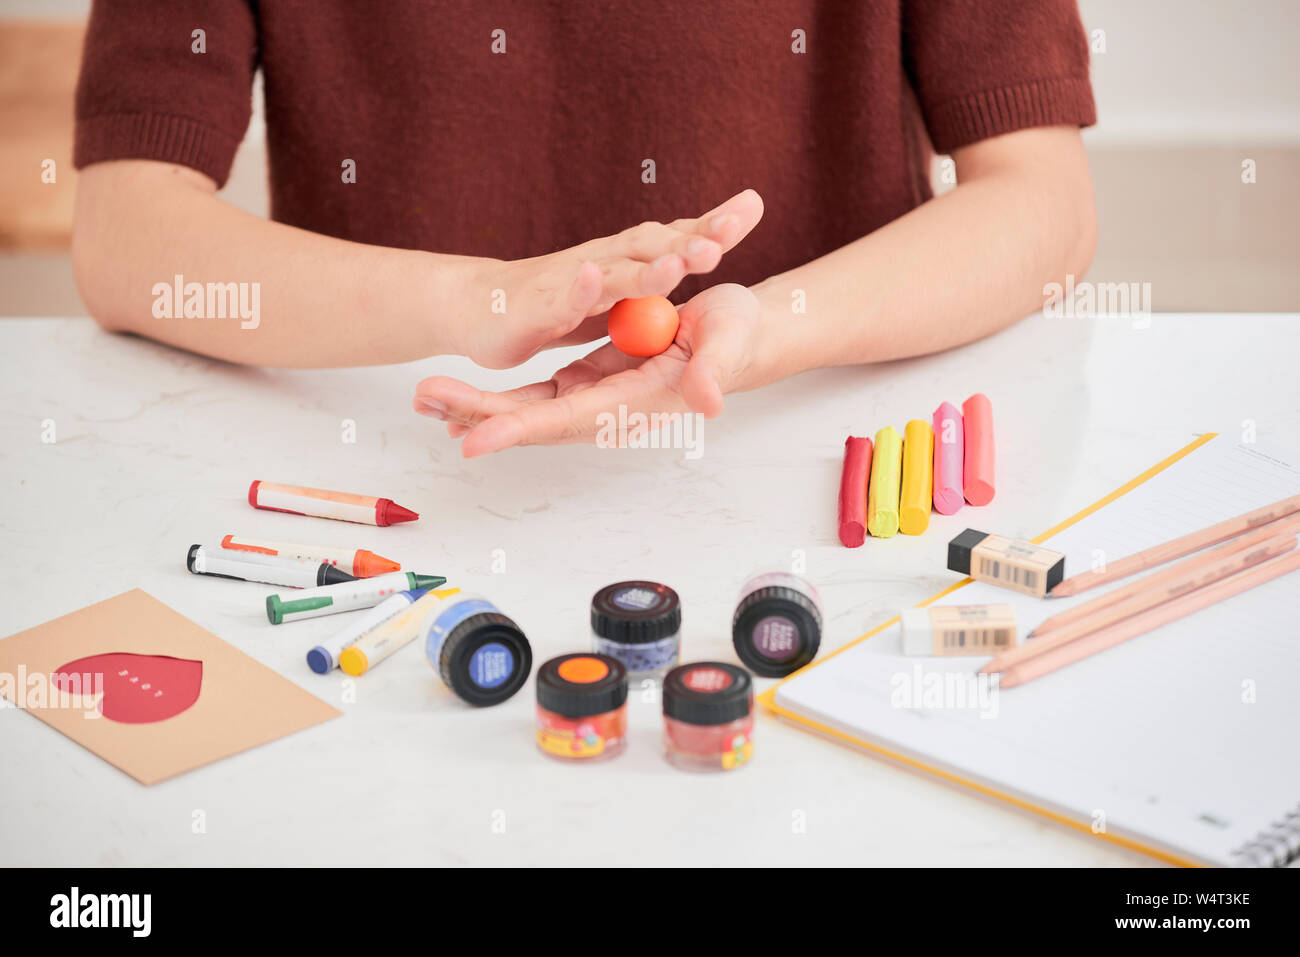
1185, 737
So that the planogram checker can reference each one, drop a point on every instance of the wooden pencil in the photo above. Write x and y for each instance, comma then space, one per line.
1193, 542
1232, 546
1053, 654
1207, 574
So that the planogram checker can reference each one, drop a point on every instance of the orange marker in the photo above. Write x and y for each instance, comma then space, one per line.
358, 561
342, 506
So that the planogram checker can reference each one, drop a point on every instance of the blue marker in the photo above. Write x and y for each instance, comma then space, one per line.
324, 658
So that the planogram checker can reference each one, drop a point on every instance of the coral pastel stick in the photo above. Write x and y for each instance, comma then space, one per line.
1179, 547
1174, 572
949, 457
853, 491
977, 468
1052, 655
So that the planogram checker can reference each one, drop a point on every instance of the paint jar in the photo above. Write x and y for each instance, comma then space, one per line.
582, 707
777, 626
639, 623
481, 654
708, 716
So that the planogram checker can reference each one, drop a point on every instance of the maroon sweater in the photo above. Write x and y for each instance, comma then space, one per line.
460, 149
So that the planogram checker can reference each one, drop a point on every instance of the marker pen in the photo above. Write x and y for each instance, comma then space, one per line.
324, 658
348, 596
360, 562
382, 640
270, 569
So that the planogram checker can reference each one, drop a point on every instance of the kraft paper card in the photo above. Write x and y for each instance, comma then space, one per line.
148, 690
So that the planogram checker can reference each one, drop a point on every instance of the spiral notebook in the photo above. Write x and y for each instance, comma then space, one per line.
1181, 743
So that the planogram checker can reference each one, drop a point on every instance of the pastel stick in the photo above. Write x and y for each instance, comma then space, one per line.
949, 457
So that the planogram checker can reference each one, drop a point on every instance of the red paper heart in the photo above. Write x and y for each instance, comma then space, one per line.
137, 689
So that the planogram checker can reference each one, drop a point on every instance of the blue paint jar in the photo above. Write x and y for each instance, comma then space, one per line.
480, 654
638, 623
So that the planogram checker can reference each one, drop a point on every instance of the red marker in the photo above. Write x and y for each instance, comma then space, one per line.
853, 491
342, 506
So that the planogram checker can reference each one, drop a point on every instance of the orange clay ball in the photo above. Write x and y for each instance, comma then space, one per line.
642, 327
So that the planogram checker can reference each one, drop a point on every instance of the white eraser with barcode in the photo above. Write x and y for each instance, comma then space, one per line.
918, 631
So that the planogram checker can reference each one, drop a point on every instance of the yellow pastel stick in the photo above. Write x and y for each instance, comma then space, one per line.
918, 478
886, 475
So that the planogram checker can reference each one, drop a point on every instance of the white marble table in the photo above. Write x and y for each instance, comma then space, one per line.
155, 449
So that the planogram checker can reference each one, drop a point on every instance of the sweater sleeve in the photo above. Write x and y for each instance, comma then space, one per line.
146, 92
982, 68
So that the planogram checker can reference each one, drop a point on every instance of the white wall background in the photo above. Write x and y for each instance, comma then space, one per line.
1203, 72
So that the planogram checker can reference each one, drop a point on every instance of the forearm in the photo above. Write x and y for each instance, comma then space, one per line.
953, 270
307, 300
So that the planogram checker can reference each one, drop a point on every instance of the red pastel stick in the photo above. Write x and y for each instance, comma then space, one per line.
977, 474
853, 491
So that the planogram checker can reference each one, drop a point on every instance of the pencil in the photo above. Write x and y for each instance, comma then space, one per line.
1232, 546
1053, 654
1193, 542
1207, 574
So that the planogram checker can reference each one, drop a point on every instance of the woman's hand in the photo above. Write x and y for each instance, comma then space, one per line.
509, 311
723, 345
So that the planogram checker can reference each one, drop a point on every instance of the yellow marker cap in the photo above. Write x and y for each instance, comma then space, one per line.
353, 661
915, 497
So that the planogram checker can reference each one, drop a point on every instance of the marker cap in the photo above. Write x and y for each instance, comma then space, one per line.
320, 660
353, 661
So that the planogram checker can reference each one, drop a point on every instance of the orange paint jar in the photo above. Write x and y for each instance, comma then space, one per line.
582, 708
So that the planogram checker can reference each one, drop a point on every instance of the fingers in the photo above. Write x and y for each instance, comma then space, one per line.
729, 223
575, 417
722, 324
699, 241
459, 403
702, 386
626, 278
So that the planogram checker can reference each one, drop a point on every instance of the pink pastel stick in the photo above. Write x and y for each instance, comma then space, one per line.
949, 454
977, 474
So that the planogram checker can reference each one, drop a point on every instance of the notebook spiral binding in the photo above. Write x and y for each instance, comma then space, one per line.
1275, 846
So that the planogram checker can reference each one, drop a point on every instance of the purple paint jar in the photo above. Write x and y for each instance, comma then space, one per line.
777, 627
638, 623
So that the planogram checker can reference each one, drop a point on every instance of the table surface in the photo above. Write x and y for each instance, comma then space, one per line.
154, 451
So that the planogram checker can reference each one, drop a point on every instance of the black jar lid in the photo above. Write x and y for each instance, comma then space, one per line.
582, 684
635, 612
777, 648
708, 692
485, 659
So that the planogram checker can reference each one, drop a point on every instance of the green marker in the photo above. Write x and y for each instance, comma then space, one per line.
346, 596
